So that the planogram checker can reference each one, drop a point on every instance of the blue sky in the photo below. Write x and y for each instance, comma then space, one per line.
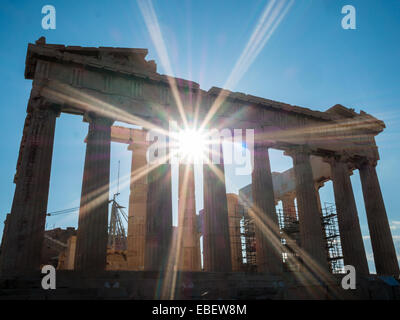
308, 61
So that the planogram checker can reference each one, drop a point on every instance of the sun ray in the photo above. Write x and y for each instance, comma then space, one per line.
170, 279
147, 9
66, 94
268, 22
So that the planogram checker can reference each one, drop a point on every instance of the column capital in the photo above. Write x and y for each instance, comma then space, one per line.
261, 139
337, 157
97, 119
41, 107
294, 151
360, 162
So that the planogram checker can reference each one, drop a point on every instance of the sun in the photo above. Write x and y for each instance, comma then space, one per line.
191, 145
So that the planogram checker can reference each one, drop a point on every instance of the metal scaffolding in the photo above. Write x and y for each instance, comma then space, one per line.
332, 238
245, 238
290, 235
289, 225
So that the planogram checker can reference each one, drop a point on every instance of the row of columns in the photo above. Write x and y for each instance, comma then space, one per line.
350, 232
349, 226
22, 245
378, 224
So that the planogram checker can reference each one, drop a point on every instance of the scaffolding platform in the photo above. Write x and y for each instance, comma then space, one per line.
290, 237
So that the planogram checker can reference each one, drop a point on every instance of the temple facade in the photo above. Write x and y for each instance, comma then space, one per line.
104, 85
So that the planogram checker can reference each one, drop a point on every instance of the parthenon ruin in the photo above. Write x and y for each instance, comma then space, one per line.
104, 85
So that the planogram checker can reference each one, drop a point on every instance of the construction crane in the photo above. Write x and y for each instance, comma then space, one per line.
117, 237
116, 230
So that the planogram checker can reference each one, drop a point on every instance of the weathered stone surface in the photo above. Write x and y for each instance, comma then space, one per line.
288, 205
216, 226
158, 217
310, 224
189, 246
379, 229
21, 250
55, 244
91, 243
137, 203
269, 254
67, 258
349, 226
123, 79
234, 231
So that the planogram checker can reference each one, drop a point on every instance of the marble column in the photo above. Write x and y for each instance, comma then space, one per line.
349, 225
319, 185
92, 235
21, 251
310, 224
288, 206
234, 231
158, 214
268, 255
137, 203
216, 233
189, 259
379, 230
3, 237
205, 241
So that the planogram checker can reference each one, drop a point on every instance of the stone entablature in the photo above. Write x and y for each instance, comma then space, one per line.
122, 78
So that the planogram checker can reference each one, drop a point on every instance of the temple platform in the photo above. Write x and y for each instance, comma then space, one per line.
140, 285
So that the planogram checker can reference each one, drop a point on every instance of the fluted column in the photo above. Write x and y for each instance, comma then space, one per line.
310, 224
92, 235
205, 240
21, 251
349, 225
216, 237
288, 206
268, 253
187, 222
234, 231
137, 202
319, 185
158, 215
379, 229
3, 237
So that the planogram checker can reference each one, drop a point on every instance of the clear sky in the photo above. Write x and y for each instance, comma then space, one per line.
309, 60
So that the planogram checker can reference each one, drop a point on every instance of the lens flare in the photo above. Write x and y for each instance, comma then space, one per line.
191, 144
